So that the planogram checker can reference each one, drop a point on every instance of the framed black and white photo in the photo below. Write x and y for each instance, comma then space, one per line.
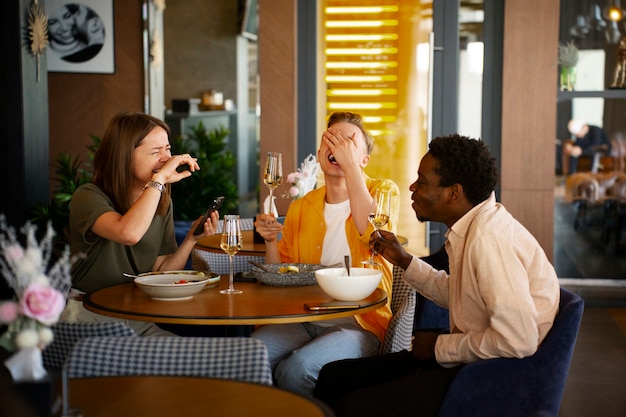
80, 35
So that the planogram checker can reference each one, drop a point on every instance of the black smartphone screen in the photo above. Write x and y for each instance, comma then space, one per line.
215, 205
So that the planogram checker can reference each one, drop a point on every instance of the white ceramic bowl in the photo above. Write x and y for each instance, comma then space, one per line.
359, 285
176, 285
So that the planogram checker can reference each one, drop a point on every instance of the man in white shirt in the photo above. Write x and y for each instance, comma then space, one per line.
502, 292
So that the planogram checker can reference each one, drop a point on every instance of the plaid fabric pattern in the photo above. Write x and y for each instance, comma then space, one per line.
238, 358
400, 330
66, 335
218, 262
202, 260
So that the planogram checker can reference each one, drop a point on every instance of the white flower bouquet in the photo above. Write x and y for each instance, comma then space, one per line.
39, 287
304, 179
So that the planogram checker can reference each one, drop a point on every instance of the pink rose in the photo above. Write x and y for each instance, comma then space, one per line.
294, 192
42, 303
8, 312
292, 177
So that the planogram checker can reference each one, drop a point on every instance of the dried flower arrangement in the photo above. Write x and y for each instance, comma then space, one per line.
40, 288
568, 55
304, 179
37, 32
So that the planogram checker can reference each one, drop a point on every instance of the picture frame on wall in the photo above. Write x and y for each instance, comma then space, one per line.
250, 20
80, 35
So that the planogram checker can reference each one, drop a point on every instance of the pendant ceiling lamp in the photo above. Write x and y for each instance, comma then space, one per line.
595, 21
580, 29
614, 11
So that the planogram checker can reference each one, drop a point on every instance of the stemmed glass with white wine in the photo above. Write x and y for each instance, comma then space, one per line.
231, 243
380, 211
273, 174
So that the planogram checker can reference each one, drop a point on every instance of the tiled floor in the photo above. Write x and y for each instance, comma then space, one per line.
596, 384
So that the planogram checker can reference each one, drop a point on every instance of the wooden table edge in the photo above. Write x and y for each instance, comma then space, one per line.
311, 406
306, 318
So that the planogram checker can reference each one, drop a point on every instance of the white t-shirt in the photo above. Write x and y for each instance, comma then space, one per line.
335, 245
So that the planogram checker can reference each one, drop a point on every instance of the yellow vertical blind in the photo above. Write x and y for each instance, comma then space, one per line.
361, 50
376, 64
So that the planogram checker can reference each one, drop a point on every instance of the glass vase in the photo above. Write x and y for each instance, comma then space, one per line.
568, 78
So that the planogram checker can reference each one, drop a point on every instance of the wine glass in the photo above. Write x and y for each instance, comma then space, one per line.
273, 174
378, 217
231, 243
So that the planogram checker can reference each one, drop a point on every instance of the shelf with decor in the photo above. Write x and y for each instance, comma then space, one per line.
568, 95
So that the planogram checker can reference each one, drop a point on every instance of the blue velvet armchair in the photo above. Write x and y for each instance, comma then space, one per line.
527, 387
520, 387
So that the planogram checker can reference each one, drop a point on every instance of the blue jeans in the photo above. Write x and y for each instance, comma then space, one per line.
298, 351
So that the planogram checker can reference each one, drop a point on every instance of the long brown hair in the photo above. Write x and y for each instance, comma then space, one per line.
113, 160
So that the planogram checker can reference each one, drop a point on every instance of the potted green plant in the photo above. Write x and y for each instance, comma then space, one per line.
216, 177
568, 58
70, 174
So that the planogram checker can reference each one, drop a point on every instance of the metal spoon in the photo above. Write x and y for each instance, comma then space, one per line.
346, 260
130, 275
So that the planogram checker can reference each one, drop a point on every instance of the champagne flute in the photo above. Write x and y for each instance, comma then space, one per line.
273, 174
231, 243
380, 211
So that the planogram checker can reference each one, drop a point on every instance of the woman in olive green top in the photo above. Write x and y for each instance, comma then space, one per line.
123, 220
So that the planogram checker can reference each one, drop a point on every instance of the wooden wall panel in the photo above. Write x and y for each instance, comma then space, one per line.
535, 210
529, 114
278, 88
82, 104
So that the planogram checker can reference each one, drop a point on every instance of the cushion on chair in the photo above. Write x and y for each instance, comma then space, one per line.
203, 260
428, 315
66, 335
519, 387
400, 329
239, 358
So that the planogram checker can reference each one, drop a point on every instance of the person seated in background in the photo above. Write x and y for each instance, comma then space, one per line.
322, 227
587, 140
123, 220
502, 292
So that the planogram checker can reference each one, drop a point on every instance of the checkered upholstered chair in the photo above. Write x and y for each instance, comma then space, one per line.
238, 358
219, 263
202, 260
66, 335
400, 329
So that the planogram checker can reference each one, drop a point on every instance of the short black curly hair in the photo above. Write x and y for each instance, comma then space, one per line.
465, 161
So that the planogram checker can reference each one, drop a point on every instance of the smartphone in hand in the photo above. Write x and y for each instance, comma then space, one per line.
215, 205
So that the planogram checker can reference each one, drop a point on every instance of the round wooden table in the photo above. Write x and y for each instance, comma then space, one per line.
167, 396
258, 304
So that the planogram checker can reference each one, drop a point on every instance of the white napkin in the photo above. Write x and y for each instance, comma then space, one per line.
266, 206
26, 365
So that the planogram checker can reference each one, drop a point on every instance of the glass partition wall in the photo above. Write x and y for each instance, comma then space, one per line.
587, 231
